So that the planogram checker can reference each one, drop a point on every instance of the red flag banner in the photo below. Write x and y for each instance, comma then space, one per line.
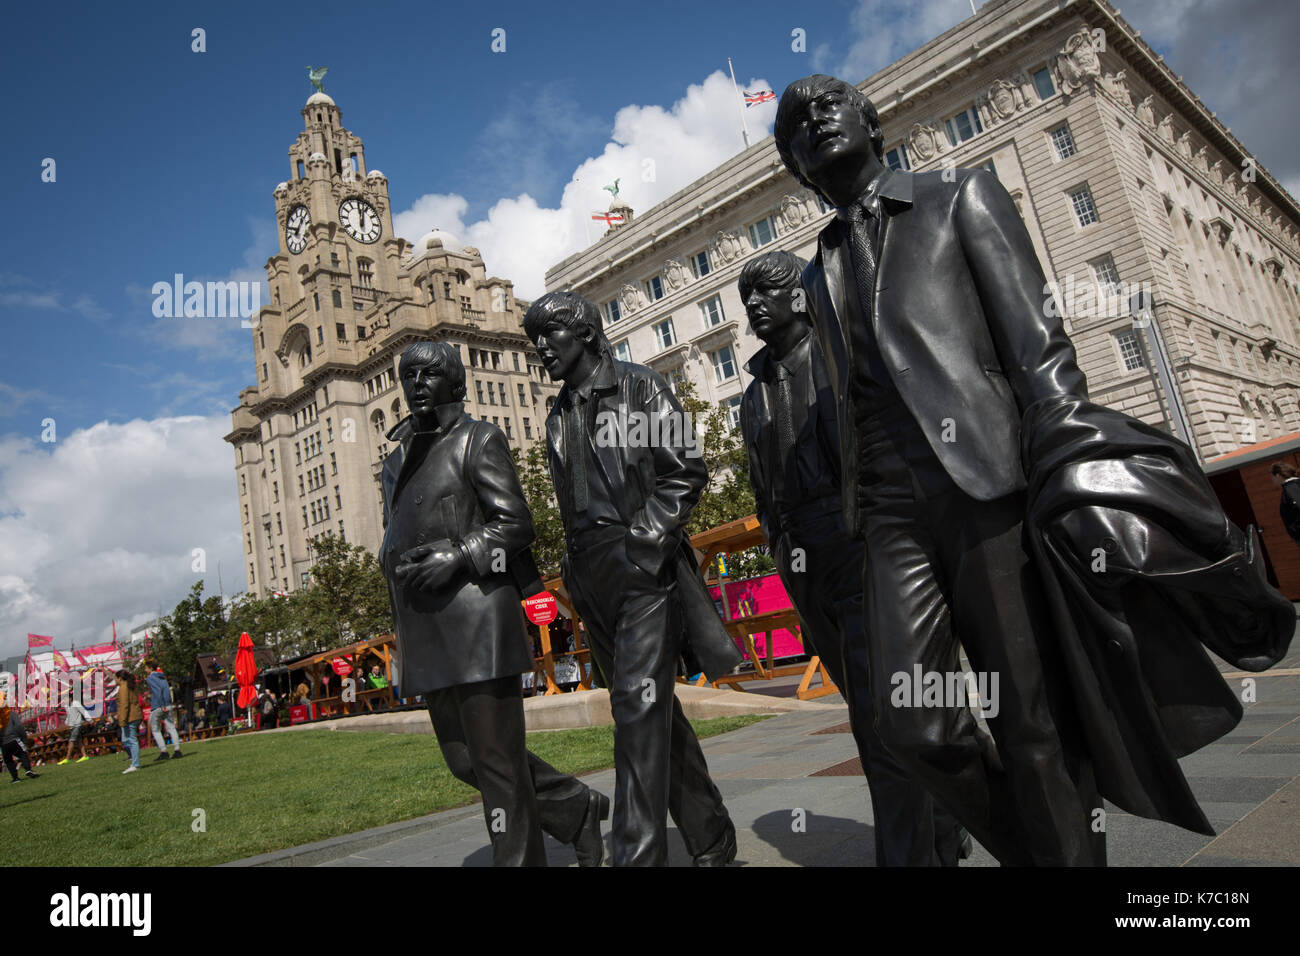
60, 659
36, 640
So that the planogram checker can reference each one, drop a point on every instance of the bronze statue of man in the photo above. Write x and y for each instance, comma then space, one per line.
788, 420
456, 553
968, 444
627, 475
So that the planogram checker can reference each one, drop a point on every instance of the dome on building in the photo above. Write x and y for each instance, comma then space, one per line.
438, 238
317, 158
319, 99
375, 174
282, 189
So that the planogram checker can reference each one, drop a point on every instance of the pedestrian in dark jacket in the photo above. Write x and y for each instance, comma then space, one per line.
1288, 479
15, 744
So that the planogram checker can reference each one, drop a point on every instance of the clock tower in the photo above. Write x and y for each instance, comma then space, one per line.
346, 297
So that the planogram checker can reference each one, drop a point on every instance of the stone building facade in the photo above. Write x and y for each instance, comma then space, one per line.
346, 296
1123, 176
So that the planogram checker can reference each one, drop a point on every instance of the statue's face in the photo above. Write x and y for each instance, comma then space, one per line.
560, 348
771, 311
830, 130
425, 385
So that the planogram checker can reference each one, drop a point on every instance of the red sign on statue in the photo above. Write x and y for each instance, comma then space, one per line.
541, 608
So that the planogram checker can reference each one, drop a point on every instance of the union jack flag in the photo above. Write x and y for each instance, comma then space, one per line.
759, 96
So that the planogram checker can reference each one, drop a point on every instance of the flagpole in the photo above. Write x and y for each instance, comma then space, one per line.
744, 130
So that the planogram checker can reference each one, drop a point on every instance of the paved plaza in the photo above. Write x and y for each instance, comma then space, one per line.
796, 793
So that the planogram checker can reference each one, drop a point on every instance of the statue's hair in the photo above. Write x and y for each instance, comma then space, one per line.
779, 268
794, 103
570, 310
443, 356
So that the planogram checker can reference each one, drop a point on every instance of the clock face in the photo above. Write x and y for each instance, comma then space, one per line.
295, 229
359, 219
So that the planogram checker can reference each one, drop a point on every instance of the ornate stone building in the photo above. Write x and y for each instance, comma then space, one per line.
1124, 178
346, 296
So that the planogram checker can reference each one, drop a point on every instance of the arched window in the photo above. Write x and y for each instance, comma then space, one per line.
377, 422
397, 409
365, 273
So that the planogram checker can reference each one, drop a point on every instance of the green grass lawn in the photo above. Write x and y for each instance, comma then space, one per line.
259, 792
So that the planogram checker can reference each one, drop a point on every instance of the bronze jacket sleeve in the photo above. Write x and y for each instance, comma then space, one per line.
507, 522
1036, 355
676, 483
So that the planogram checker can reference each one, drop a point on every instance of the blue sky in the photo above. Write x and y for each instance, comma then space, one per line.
166, 160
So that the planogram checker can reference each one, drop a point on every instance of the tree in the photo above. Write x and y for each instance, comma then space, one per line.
539, 491
196, 626
728, 495
348, 597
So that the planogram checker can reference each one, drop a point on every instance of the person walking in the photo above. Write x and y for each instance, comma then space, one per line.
160, 711
270, 710
15, 744
77, 716
129, 715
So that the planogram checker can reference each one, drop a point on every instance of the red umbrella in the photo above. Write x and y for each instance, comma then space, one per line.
245, 671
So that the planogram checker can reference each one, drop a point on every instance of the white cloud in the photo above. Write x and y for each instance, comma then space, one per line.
102, 524
653, 151
882, 32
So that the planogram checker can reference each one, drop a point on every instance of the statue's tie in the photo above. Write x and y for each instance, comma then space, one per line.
862, 252
784, 415
577, 449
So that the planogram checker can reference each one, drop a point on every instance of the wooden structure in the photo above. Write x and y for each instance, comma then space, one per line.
728, 539
1245, 488
545, 663
724, 539
361, 655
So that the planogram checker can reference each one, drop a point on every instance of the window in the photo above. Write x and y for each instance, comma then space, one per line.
279, 525
1107, 275
273, 459
473, 358
243, 484
496, 360
492, 395
711, 311
365, 277
297, 453
1063, 141
664, 334
762, 232
896, 158
622, 351
676, 376
700, 266
251, 579
283, 563
654, 288
988, 164
509, 434
1043, 83
515, 356
275, 491
1130, 350
264, 371
732, 407
338, 498
965, 125
315, 301
611, 311
329, 429
304, 516
361, 329
478, 391
334, 464
1084, 209
501, 387
523, 396
724, 363
337, 298
248, 542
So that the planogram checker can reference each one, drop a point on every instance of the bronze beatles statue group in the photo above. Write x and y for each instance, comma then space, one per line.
920, 433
